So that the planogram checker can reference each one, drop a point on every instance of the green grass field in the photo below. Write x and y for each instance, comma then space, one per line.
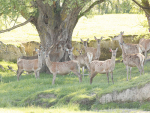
67, 94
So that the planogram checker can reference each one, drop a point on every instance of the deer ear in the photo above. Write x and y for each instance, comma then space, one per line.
110, 50
87, 39
81, 40
36, 49
72, 48
122, 32
95, 37
49, 52
116, 49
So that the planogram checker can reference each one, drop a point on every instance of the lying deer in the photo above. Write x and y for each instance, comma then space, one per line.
129, 48
95, 51
29, 65
132, 60
62, 68
83, 59
106, 66
146, 44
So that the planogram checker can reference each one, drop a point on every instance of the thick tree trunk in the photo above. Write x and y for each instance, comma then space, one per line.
53, 27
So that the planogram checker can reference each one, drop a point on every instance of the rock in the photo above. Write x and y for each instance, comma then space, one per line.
128, 95
30, 47
9, 52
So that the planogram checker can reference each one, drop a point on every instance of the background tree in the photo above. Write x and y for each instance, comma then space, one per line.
144, 4
53, 19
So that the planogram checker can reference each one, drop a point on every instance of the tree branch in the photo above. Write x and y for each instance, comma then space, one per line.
90, 7
19, 25
140, 5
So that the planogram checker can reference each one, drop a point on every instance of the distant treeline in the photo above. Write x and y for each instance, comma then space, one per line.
116, 6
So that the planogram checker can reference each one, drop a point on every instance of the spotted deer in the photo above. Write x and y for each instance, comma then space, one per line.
146, 44
102, 67
133, 60
30, 64
83, 59
129, 48
61, 68
95, 51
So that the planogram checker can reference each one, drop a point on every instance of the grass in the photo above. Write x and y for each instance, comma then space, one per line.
67, 93
98, 25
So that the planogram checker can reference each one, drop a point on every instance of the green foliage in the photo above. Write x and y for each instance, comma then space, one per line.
118, 6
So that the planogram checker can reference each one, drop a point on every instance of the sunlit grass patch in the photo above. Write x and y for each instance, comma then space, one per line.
67, 93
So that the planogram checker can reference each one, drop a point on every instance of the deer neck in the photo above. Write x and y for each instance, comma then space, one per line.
123, 52
113, 58
40, 61
48, 61
98, 50
71, 57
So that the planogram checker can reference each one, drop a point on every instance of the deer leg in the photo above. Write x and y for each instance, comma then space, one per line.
130, 71
19, 74
92, 76
79, 75
127, 71
83, 71
145, 54
38, 74
139, 68
35, 72
112, 77
107, 77
54, 77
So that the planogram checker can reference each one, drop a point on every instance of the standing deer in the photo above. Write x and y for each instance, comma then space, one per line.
146, 44
95, 51
62, 68
30, 64
129, 48
58, 52
102, 67
83, 59
132, 60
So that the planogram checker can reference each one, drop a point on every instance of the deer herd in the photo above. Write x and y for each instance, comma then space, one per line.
131, 54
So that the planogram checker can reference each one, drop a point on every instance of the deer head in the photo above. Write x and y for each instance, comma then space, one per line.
80, 51
85, 42
98, 40
119, 37
114, 52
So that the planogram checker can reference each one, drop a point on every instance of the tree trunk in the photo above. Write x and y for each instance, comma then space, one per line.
53, 27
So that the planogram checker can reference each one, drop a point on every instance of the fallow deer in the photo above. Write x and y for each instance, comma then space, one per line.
95, 51
102, 67
62, 68
132, 60
83, 59
58, 52
129, 48
146, 44
29, 65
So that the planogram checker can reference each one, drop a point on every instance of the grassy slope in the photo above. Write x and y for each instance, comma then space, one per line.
67, 93
99, 25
